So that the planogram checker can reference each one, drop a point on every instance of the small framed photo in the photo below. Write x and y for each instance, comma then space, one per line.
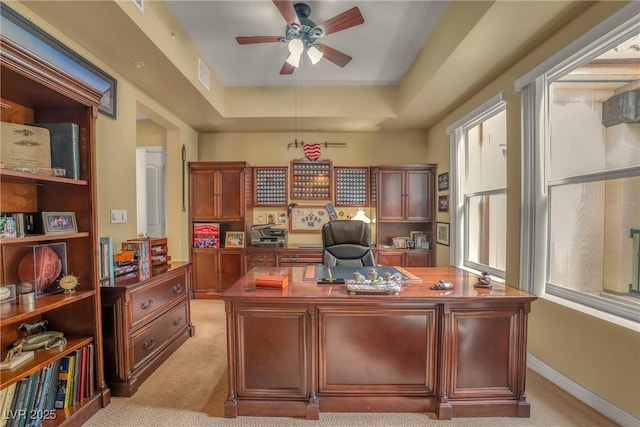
282, 218
400, 242
443, 181
59, 222
443, 203
234, 239
421, 239
442, 233
271, 218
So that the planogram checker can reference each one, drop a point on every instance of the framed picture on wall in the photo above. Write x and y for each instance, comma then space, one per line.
443, 181
234, 239
442, 233
443, 203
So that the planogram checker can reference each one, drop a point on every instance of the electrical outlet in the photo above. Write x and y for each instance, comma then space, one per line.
118, 216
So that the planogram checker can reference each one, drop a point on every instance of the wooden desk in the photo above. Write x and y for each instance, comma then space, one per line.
311, 348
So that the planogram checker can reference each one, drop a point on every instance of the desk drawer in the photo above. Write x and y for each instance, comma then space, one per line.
153, 339
147, 300
296, 258
262, 259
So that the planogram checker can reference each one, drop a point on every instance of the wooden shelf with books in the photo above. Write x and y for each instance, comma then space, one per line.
35, 91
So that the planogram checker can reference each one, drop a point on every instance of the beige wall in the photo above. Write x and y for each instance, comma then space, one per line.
116, 154
597, 354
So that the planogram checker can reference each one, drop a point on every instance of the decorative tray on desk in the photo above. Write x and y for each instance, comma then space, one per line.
376, 288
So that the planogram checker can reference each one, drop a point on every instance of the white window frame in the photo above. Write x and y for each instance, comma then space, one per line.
457, 203
534, 230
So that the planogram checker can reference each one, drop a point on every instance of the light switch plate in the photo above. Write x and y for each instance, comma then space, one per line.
118, 216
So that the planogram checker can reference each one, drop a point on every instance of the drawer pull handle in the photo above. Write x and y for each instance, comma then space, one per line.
147, 305
177, 322
177, 288
148, 345
260, 258
293, 257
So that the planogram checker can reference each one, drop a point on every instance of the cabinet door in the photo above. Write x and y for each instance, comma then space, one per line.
230, 195
391, 196
389, 257
417, 259
205, 271
418, 188
230, 268
202, 191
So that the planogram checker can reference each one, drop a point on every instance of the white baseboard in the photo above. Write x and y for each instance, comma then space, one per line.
582, 394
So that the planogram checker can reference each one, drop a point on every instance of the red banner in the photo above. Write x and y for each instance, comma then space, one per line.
312, 151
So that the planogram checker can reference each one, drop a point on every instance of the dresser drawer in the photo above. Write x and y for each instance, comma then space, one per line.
147, 300
153, 338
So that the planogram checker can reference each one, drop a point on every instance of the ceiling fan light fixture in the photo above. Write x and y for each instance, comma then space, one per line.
315, 54
294, 60
296, 47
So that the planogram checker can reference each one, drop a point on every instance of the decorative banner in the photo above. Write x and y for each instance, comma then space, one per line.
312, 151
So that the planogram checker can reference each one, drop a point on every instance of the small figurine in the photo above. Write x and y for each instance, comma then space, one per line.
373, 274
442, 285
31, 328
484, 281
15, 349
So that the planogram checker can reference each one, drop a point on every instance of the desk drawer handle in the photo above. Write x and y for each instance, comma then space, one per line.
177, 288
148, 345
293, 257
147, 305
177, 322
260, 258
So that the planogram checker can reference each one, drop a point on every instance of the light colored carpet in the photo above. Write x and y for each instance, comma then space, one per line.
190, 388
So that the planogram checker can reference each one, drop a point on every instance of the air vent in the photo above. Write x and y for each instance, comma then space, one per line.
203, 74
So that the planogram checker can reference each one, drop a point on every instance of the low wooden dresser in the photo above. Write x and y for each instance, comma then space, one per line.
145, 319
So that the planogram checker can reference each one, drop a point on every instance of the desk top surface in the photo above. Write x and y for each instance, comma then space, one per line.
303, 287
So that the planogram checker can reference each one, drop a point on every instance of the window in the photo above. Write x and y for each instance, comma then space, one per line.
478, 194
581, 172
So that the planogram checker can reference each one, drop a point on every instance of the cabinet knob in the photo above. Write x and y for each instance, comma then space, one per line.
260, 258
146, 305
177, 322
148, 345
177, 288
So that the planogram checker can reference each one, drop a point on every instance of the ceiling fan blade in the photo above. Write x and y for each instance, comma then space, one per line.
335, 56
287, 68
287, 11
258, 39
348, 19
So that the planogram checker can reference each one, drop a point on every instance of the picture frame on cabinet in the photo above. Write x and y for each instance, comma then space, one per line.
420, 238
234, 239
443, 181
442, 233
400, 242
59, 222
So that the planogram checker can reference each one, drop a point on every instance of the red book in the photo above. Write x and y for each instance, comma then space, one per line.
274, 282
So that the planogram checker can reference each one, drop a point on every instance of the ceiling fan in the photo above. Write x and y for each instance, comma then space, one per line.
302, 34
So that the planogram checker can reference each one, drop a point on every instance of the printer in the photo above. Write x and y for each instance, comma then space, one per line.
268, 236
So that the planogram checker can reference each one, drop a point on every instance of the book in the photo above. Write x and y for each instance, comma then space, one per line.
50, 399
63, 382
83, 373
91, 386
76, 378
68, 397
65, 153
32, 415
274, 282
23, 405
7, 403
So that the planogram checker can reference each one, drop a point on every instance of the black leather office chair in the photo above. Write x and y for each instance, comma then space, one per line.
347, 243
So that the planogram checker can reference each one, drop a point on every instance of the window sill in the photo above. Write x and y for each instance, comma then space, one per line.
607, 317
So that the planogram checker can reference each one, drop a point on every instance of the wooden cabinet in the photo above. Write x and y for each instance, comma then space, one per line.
218, 191
405, 203
34, 92
405, 194
403, 257
144, 322
215, 270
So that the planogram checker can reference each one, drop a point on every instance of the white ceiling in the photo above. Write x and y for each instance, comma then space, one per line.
383, 47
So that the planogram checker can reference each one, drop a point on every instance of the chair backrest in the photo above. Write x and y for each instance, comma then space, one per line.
347, 242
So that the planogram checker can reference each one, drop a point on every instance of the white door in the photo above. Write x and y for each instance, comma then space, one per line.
155, 176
